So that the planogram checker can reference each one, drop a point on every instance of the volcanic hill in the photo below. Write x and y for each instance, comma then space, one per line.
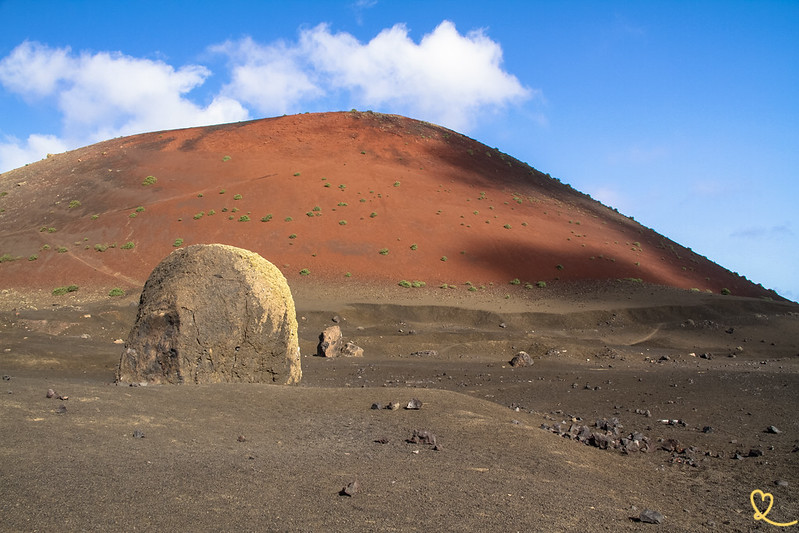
347, 196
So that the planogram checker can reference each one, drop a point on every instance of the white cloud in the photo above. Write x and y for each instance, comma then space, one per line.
447, 78
105, 95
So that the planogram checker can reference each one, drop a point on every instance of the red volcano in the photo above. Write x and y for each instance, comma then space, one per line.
336, 196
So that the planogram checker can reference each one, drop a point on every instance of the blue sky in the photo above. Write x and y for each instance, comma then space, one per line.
681, 114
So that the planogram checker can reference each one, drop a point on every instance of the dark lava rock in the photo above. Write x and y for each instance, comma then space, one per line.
521, 359
377, 406
138, 434
781, 483
423, 437
50, 393
425, 353
772, 429
649, 516
707, 429
62, 409
382, 440
241, 438
754, 452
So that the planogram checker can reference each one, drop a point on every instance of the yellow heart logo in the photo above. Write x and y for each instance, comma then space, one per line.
766, 496
763, 497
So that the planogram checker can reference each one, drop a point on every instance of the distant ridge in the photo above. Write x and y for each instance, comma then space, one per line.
350, 196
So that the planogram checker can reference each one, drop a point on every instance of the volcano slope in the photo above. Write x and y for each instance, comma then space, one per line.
615, 331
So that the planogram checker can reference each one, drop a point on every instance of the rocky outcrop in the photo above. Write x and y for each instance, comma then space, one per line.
351, 350
213, 313
521, 359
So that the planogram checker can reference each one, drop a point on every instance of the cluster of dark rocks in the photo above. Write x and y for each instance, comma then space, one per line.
414, 404
331, 344
606, 435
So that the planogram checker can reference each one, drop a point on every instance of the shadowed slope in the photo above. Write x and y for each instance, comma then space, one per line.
327, 193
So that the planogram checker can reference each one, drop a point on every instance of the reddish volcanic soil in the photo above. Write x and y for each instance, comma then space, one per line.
336, 188
707, 383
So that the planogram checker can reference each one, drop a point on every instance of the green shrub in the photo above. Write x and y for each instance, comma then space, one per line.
726, 292
130, 245
472, 289
199, 215
73, 204
33, 257
101, 247
237, 197
309, 214
342, 186
226, 158
515, 281
396, 184
296, 173
304, 272
288, 219
178, 243
267, 218
506, 226
293, 236
404, 283
116, 291
62, 249
342, 204
211, 212
234, 210
244, 218
7, 258
59, 291
559, 267
45, 247
347, 275
200, 195
383, 251
372, 214
149, 180
133, 215
418, 284
414, 246
95, 217
139, 209
342, 222
444, 258
541, 284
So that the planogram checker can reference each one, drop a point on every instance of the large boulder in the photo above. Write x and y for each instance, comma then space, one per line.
213, 313
330, 342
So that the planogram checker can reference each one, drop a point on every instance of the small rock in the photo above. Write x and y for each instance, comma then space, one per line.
6, 378
393, 406
754, 452
707, 429
706, 356
241, 438
382, 440
377, 406
665, 358
50, 393
423, 437
414, 404
351, 350
781, 483
62, 409
650, 517
503, 325
774, 430
425, 353
352, 488
119, 341
521, 359
62, 397
138, 434
336, 319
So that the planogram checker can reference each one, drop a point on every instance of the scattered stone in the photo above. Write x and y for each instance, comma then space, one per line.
336, 319
781, 483
62, 397
521, 359
138, 434
425, 353
213, 313
503, 325
754, 452
119, 341
50, 393
62, 409
382, 440
707, 429
6, 378
665, 358
423, 437
774, 430
649, 516
672, 445
330, 342
377, 406
351, 350
352, 488
705, 355
393, 406
241, 438
414, 404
